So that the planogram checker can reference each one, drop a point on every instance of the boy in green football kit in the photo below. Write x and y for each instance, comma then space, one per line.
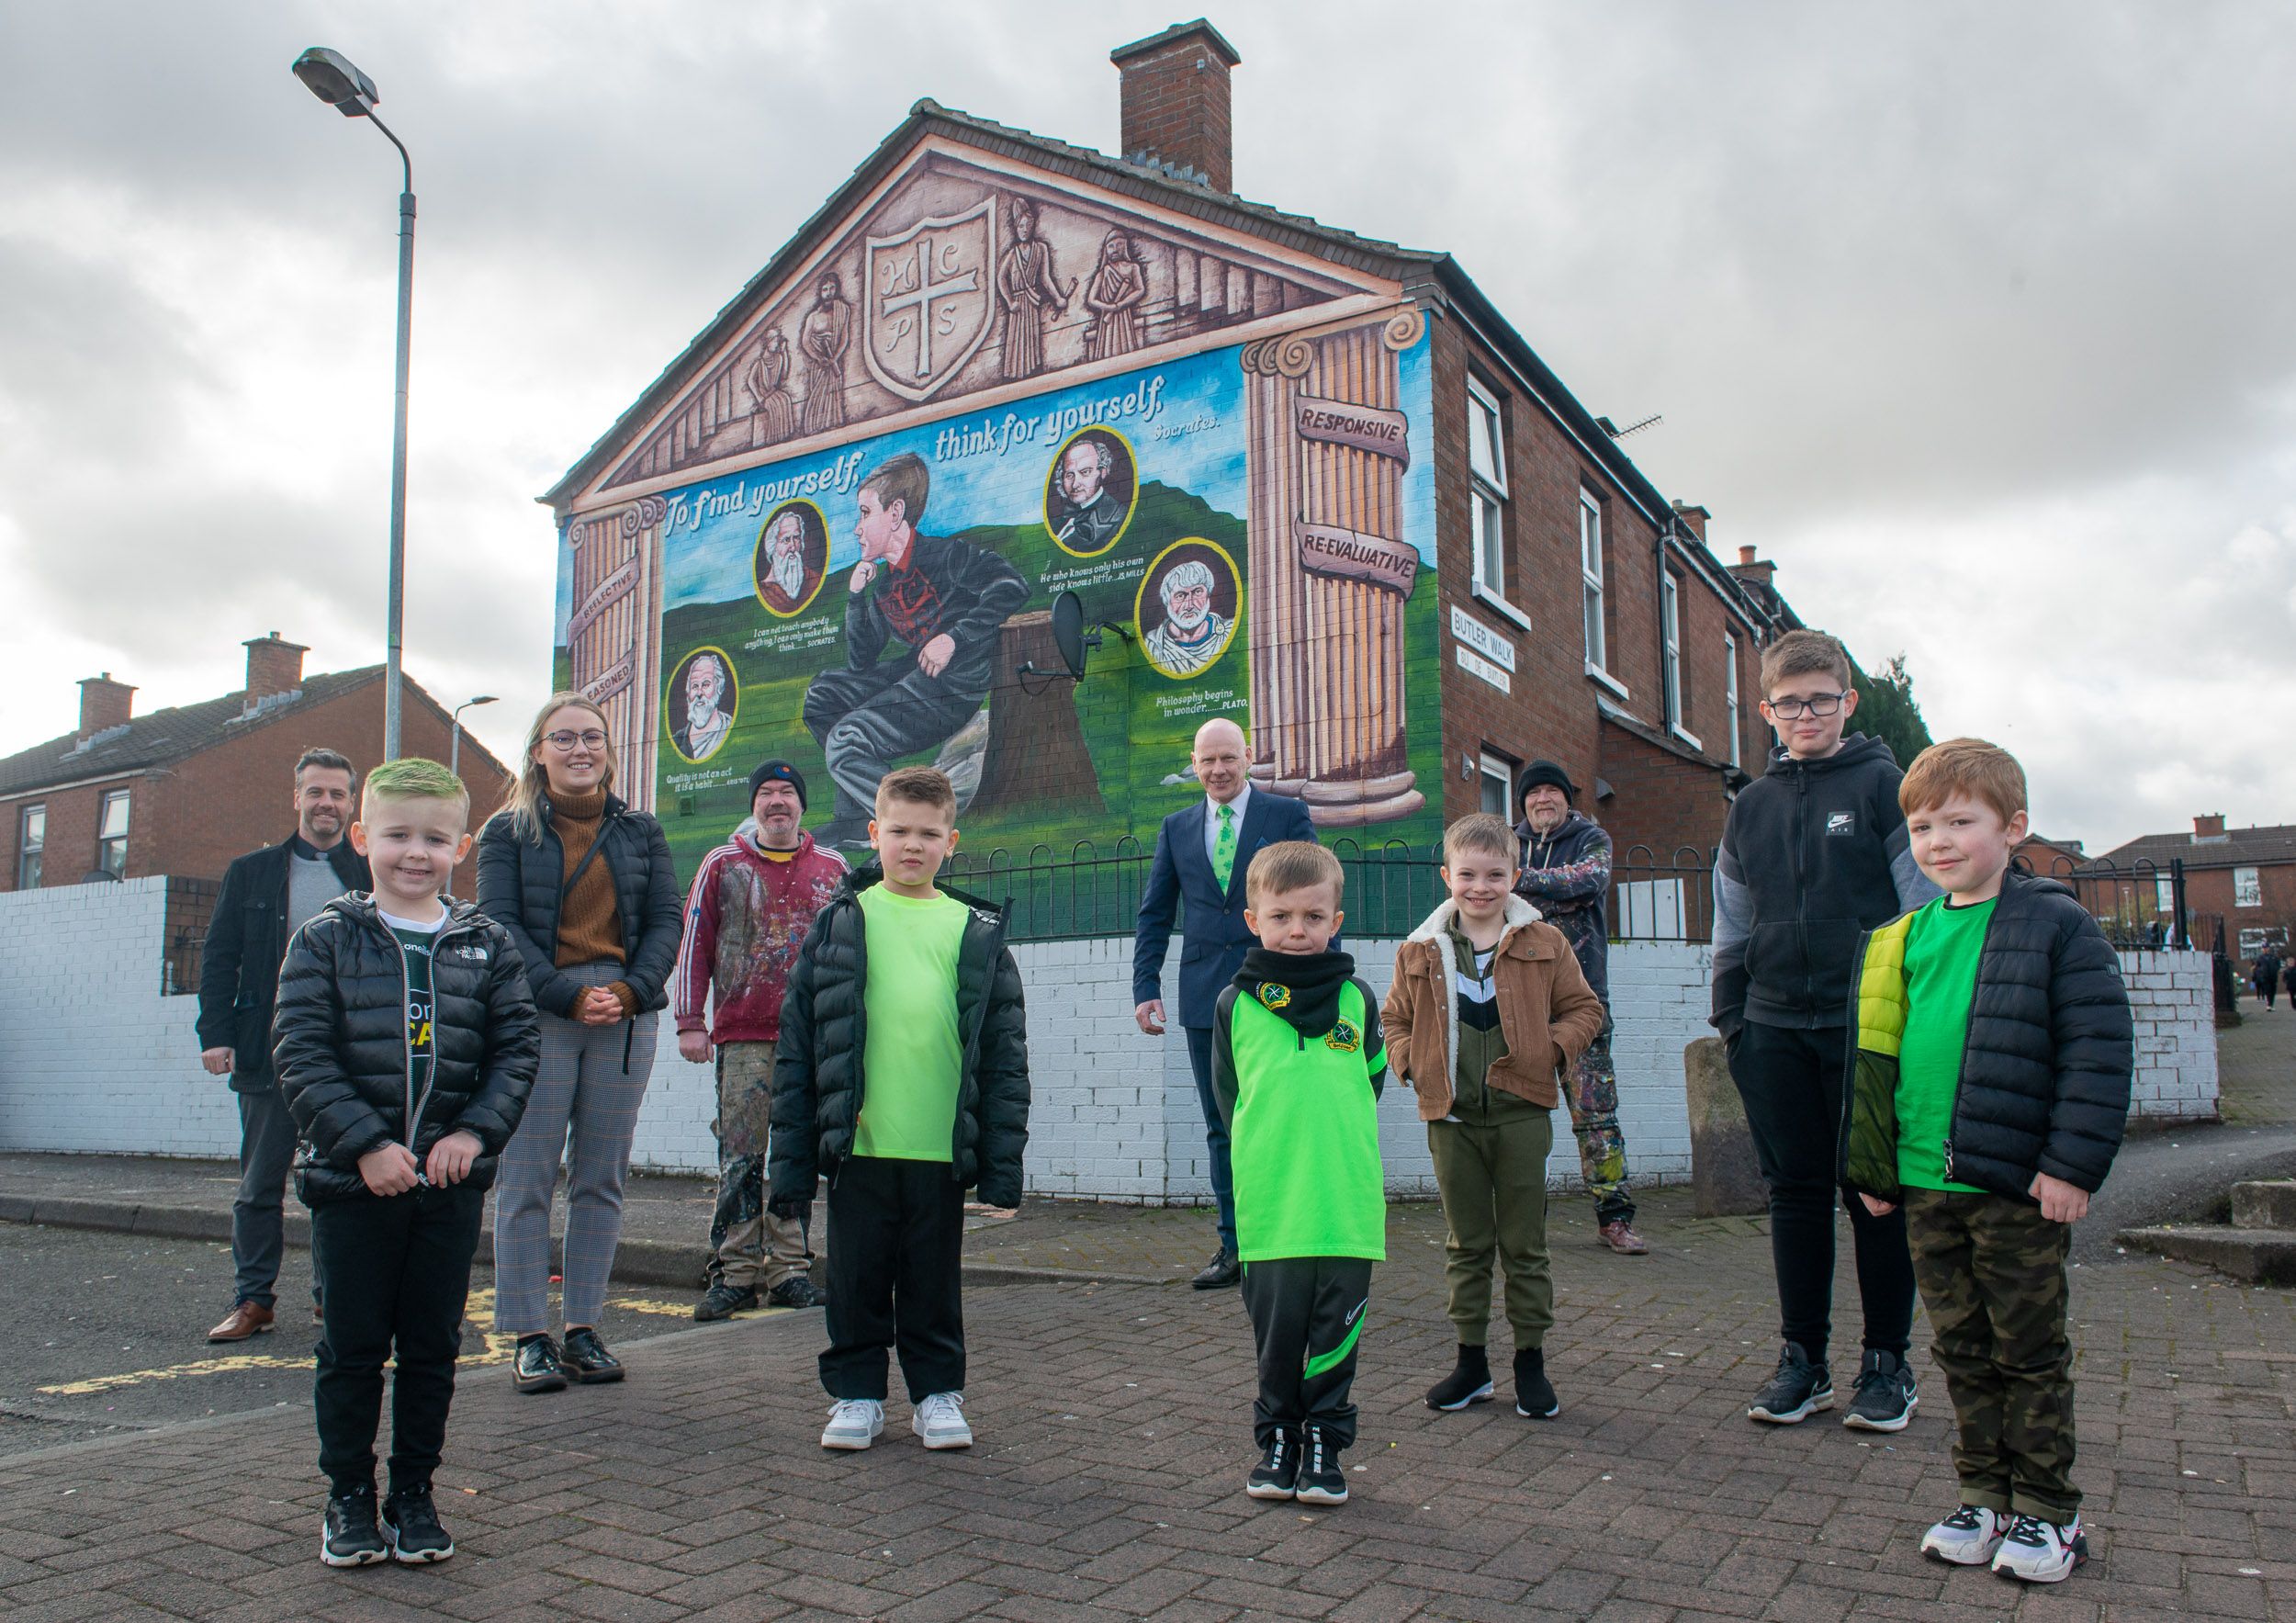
1298, 1063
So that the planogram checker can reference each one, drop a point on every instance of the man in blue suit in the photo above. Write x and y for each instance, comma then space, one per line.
1201, 854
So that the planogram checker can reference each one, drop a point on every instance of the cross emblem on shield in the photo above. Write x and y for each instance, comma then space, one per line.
928, 300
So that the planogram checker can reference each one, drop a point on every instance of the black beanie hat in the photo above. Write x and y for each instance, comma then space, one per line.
1545, 771
781, 771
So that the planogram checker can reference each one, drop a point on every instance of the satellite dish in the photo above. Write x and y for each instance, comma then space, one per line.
1068, 633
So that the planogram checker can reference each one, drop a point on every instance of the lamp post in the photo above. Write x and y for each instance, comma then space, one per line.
454, 746
331, 76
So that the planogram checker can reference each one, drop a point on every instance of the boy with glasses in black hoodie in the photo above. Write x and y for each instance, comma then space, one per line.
1814, 853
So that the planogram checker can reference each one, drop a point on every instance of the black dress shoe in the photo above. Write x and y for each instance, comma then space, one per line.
536, 1366
1222, 1271
587, 1359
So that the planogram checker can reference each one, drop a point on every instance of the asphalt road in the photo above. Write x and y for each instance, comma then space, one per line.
102, 1333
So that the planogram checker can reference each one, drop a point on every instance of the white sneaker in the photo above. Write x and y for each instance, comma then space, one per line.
853, 1424
1967, 1537
2041, 1552
939, 1421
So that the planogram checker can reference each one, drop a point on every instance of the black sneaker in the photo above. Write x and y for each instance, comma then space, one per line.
1321, 1480
1277, 1473
1884, 1397
1534, 1394
723, 1301
587, 1359
536, 1366
797, 1291
410, 1523
1470, 1383
349, 1537
1797, 1392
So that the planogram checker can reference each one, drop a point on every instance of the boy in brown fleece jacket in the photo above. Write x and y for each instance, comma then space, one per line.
1488, 1004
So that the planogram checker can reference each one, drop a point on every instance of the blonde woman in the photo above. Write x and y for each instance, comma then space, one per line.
585, 887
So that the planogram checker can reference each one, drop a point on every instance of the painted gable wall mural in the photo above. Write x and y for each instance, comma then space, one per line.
1249, 525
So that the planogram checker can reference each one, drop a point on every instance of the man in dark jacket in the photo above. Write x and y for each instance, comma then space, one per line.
946, 601
268, 896
1813, 854
1565, 859
902, 1075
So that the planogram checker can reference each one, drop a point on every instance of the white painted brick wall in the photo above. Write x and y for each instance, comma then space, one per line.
93, 1058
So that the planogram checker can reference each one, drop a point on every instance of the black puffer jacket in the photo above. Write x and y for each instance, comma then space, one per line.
521, 885
817, 1068
339, 1043
239, 968
2045, 1070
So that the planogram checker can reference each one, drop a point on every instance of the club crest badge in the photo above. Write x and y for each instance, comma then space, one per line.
927, 303
1272, 995
1345, 1037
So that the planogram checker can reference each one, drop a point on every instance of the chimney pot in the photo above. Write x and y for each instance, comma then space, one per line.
1745, 556
1174, 102
103, 704
273, 666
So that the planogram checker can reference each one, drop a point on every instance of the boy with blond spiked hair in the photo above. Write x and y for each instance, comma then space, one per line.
1987, 1091
406, 1044
1488, 1005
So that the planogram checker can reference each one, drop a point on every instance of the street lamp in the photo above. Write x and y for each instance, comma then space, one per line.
332, 77
454, 746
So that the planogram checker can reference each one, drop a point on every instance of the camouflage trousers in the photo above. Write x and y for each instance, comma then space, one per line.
748, 1246
1992, 1276
1592, 1099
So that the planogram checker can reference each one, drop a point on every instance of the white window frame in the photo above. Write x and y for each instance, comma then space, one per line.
2247, 888
1487, 493
31, 855
1729, 690
1670, 656
1591, 576
1500, 769
111, 798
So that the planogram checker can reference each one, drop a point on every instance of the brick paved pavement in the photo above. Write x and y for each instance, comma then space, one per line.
1113, 1439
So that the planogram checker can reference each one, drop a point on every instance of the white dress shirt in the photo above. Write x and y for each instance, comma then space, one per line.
1211, 821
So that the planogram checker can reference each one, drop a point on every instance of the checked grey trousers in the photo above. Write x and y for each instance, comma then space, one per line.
583, 1112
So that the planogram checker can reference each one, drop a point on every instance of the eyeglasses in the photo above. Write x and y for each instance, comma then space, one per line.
564, 742
1816, 704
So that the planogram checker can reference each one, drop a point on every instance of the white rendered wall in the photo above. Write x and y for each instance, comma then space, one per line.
92, 1057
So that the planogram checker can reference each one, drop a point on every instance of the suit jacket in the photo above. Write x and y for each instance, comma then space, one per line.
247, 939
1216, 937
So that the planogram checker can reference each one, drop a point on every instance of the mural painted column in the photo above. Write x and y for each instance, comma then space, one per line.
609, 637
1331, 570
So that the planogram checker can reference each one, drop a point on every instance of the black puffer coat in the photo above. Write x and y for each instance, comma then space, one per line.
521, 885
817, 1068
2045, 1070
339, 1043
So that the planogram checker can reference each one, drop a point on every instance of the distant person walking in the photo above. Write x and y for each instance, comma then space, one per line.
2267, 978
585, 887
268, 896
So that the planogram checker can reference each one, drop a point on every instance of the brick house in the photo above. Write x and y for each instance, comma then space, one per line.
182, 792
2247, 877
1451, 565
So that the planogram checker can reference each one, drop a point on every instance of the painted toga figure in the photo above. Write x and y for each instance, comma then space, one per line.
1114, 297
772, 414
707, 723
786, 562
823, 337
1192, 635
1028, 289
946, 601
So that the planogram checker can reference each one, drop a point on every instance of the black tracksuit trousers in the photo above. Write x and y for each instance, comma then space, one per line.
1307, 1316
399, 1275
896, 1243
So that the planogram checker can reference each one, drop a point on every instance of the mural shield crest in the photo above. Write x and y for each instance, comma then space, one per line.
928, 300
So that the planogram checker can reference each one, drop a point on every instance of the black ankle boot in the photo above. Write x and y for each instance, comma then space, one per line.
1470, 1383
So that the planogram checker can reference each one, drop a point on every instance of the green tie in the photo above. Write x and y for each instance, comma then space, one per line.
1224, 847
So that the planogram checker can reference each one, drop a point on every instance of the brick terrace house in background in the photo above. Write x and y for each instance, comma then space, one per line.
1430, 563
2244, 876
182, 792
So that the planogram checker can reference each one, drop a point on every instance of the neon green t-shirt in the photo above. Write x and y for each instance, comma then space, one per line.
1942, 946
914, 1056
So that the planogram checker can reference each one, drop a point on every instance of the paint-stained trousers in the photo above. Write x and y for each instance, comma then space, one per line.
1592, 1099
1307, 1318
748, 1246
1992, 1275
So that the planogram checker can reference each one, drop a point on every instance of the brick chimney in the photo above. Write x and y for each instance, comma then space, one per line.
1754, 571
1694, 519
273, 666
103, 703
2208, 826
1175, 93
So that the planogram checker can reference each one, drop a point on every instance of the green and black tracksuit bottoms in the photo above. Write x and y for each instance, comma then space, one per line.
1307, 1318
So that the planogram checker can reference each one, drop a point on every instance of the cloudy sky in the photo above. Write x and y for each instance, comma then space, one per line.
1979, 319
